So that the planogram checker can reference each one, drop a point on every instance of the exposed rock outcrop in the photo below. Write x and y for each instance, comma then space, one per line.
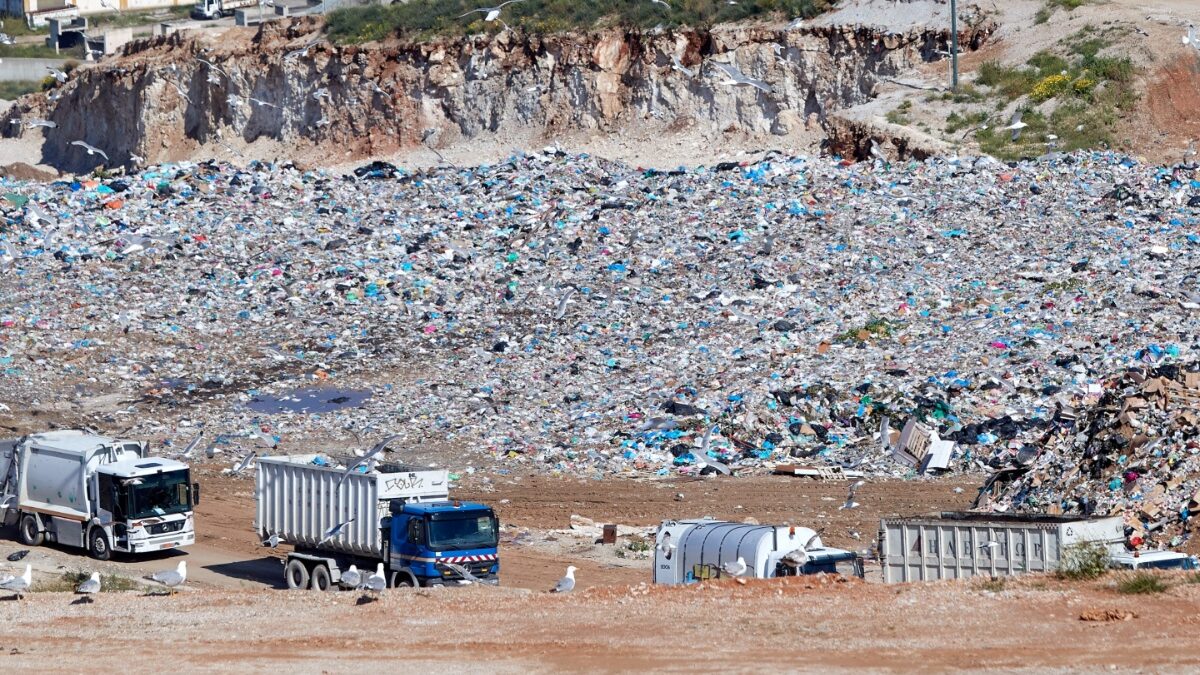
162, 103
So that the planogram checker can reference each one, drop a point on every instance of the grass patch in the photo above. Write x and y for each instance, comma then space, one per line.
67, 582
1092, 93
11, 91
993, 585
134, 19
1082, 561
39, 51
1047, 10
427, 18
1142, 583
875, 328
900, 114
1193, 578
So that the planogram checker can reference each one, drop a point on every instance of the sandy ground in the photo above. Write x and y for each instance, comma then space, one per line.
798, 624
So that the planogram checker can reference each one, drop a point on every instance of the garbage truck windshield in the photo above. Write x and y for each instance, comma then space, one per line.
158, 495
461, 531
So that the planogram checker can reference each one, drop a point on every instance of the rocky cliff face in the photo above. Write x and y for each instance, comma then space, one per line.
160, 101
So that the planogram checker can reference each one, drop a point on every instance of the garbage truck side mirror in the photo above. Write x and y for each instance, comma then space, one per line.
195, 494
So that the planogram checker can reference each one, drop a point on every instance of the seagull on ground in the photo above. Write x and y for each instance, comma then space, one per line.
351, 577
736, 78
1192, 39
18, 585
334, 531
567, 583
172, 579
89, 587
736, 568
492, 13
91, 149
850, 503
377, 581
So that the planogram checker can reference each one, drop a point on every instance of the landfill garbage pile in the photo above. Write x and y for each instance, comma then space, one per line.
1132, 449
563, 313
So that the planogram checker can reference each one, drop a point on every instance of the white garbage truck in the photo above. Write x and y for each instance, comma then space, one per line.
78, 488
688, 551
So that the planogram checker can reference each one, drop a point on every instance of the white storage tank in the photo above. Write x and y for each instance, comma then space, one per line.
687, 551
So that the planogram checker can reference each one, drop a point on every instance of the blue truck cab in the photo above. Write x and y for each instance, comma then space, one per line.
422, 536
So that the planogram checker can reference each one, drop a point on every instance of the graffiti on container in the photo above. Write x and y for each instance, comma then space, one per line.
405, 483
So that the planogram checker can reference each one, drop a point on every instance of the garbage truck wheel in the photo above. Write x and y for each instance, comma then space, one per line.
401, 580
321, 580
296, 574
98, 545
31, 534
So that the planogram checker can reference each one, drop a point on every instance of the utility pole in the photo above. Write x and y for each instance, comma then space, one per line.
954, 45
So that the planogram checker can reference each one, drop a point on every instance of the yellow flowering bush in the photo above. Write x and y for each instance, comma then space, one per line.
1049, 87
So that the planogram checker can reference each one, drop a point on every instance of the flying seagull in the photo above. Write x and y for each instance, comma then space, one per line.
91, 149
89, 587
187, 452
273, 540
137, 159
850, 503
561, 311
172, 579
736, 78
702, 459
37, 214
735, 569
41, 123
1016, 125
259, 101
379, 447
664, 3
243, 464
181, 92
58, 74
214, 66
676, 64
19, 585
492, 13
465, 573
567, 583
334, 531
109, 6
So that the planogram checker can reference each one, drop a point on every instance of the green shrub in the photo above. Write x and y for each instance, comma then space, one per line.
1141, 583
424, 18
11, 91
1084, 560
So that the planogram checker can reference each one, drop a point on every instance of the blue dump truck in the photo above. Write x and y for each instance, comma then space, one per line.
397, 516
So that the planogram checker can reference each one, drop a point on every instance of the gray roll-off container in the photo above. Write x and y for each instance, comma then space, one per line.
957, 545
300, 501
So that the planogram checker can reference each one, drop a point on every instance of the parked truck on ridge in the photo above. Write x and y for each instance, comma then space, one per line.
399, 516
104, 494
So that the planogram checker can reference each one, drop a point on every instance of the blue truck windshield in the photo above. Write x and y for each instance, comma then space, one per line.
461, 531
158, 495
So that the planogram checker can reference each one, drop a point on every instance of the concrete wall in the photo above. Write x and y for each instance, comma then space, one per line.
12, 70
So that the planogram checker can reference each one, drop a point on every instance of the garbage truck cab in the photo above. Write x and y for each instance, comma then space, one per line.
424, 535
